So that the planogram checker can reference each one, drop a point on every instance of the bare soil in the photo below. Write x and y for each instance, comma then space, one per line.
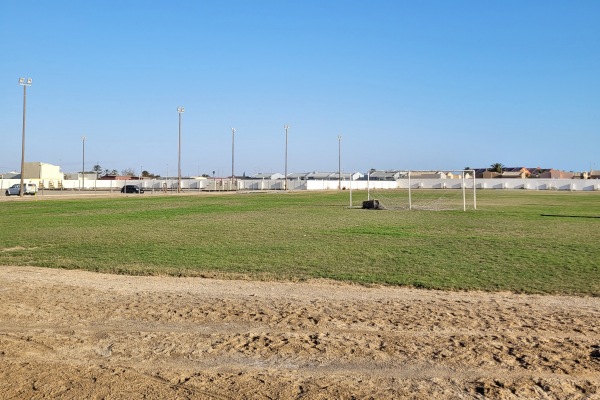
76, 334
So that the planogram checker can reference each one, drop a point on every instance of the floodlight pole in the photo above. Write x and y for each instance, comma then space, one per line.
83, 162
286, 127
180, 111
369, 185
232, 154
23, 82
474, 192
409, 193
464, 192
339, 162
141, 178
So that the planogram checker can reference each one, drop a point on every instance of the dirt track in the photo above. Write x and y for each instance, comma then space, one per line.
75, 334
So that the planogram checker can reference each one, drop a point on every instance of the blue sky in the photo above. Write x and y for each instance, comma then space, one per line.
408, 84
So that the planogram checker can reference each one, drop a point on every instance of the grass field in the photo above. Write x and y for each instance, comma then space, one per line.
507, 244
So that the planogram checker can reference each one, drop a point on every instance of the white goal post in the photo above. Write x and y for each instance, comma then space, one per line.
424, 189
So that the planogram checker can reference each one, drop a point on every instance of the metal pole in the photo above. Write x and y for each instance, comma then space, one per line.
369, 185
23, 82
474, 194
464, 192
339, 162
232, 154
179, 158
351, 191
21, 188
83, 162
286, 154
409, 193
180, 111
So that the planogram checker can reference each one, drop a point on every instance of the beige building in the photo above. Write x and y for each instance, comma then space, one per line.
45, 175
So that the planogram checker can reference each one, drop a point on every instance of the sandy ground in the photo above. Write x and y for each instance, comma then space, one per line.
76, 334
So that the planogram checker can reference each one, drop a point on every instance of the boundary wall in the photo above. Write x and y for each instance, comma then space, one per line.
496, 183
169, 185
105, 185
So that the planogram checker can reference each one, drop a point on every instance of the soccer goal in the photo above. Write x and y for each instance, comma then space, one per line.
423, 190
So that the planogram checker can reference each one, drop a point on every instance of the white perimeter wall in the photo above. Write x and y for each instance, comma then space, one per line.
277, 184
92, 184
531, 184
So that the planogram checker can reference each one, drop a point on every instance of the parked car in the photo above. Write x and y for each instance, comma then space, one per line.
14, 190
132, 189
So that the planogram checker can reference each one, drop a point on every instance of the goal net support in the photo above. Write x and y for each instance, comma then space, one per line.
425, 190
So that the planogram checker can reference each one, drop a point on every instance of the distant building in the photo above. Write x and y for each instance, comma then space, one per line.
118, 178
385, 175
514, 175
346, 176
522, 172
76, 176
319, 176
298, 176
42, 171
11, 175
550, 173
268, 175
426, 175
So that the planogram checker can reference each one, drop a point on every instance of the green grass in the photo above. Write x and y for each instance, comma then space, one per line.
507, 244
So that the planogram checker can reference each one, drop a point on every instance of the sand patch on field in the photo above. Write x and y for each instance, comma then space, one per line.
76, 334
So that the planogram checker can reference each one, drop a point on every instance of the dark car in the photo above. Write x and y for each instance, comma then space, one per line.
131, 189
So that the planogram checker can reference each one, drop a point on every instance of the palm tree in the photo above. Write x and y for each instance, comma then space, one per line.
496, 167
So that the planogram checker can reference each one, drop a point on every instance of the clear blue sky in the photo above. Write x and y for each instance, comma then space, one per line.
408, 84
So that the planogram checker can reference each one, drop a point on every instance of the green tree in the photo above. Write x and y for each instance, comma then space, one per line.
146, 174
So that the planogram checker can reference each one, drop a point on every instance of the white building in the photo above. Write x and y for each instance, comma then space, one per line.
42, 171
43, 174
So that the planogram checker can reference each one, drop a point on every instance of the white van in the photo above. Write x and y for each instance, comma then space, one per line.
30, 188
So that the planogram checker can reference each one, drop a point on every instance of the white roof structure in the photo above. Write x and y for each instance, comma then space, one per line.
320, 175
267, 175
